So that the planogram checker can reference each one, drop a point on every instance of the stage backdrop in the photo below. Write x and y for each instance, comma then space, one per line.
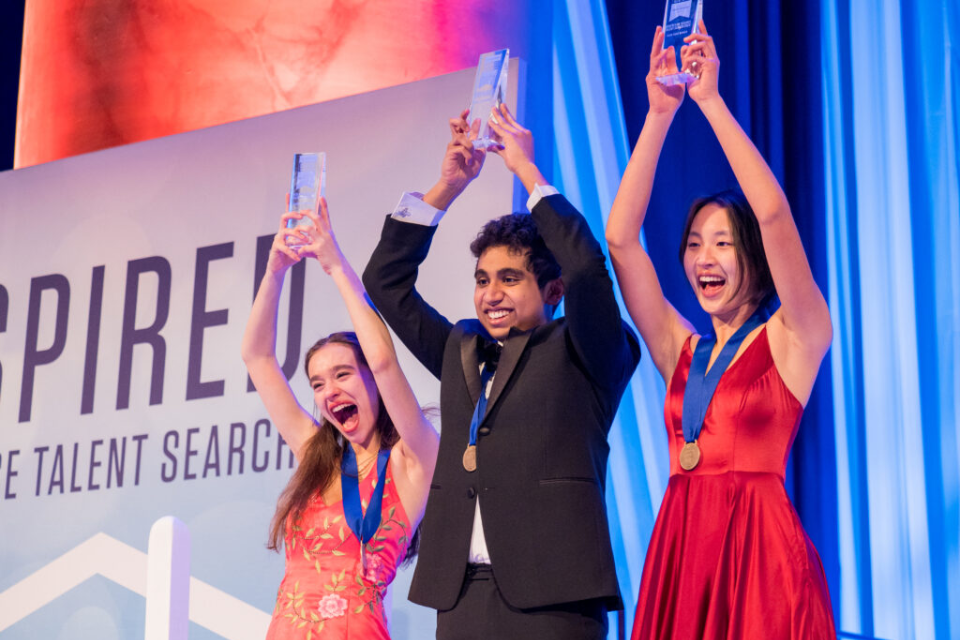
126, 277
100, 73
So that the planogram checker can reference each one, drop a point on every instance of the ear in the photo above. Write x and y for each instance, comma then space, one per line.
553, 292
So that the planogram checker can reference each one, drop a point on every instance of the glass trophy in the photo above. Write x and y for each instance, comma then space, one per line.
489, 91
680, 19
308, 183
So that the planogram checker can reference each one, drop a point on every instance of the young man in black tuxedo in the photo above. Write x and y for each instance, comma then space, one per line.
515, 541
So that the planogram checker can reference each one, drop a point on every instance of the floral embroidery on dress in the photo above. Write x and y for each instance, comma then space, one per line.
373, 570
332, 606
297, 616
330, 580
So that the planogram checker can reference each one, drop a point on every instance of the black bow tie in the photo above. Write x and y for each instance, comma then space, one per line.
488, 352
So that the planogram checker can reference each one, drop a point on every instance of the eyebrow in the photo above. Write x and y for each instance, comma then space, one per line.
336, 369
722, 232
501, 273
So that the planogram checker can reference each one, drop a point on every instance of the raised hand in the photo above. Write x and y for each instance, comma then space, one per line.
462, 161
282, 255
321, 242
516, 143
663, 62
699, 57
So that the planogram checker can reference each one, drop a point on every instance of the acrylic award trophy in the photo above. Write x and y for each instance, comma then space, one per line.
489, 91
680, 19
308, 183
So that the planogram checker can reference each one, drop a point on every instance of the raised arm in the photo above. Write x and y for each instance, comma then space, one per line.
260, 342
662, 328
391, 274
803, 314
602, 341
419, 439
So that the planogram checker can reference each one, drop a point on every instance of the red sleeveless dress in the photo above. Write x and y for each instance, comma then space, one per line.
325, 592
728, 558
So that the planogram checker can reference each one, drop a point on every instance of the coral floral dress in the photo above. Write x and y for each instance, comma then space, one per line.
728, 558
325, 592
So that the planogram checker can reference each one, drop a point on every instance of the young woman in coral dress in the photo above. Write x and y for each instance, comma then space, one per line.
371, 453
728, 557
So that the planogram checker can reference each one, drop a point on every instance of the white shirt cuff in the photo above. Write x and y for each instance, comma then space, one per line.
540, 191
412, 208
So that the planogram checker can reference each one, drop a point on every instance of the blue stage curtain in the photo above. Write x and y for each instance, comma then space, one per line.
589, 149
891, 132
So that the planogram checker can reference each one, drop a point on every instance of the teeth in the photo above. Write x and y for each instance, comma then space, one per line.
706, 281
496, 315
343, 410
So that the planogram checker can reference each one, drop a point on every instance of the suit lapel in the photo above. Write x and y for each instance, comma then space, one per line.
512, 350
470, 360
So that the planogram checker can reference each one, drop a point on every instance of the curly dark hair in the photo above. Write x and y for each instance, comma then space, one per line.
519, 233
745, 232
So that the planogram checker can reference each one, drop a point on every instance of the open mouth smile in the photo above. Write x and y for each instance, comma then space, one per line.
343, 412
495, 315
710, 284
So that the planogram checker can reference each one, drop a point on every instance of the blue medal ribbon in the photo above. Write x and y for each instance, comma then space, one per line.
481, 408
489, 354
363, 526
702, 384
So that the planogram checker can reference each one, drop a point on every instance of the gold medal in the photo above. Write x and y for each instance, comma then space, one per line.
689, 456
470, 458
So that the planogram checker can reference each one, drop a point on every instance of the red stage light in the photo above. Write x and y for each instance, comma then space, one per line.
100, 73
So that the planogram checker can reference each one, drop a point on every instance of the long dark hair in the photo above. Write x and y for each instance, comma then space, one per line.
323, 452
745, 232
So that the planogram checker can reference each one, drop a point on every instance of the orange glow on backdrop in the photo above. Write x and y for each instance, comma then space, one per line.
100, 73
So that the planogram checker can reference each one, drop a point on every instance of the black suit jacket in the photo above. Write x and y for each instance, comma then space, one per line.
542, 447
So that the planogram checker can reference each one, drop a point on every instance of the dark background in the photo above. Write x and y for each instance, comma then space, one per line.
11, 39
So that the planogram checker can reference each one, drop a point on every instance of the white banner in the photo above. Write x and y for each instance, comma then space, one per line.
126, 277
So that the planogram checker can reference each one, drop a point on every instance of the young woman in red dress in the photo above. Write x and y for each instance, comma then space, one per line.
371, 438
728, 557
